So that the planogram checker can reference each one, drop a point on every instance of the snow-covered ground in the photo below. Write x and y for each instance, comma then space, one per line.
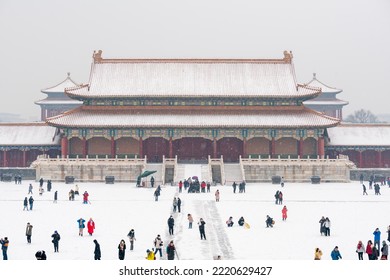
120, 207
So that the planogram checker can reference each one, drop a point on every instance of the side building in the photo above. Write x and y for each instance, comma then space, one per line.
21, 143
57, 101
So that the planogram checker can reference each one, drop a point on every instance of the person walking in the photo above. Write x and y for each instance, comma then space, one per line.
335, 254
171, 251
97, 253
178, 204
81, 224
174, 204
25, 204
217, 196
180, 186
280, 197
76, 190
152, 182
317, 254
388, 233
29, 232
277, 197
327, 226
284, 213
322, 227
131, 236
171, 223
190, 220
30, 189
56, 239
384, 250
4, 247
360, 250
91, 226
201, 224
121, 250
234, 187
55, 197
30, 202
364, 190
158, 244
157, 193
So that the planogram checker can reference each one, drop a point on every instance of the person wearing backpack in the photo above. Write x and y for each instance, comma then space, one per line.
56, 239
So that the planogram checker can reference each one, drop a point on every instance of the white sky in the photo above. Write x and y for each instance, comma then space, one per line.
346, 43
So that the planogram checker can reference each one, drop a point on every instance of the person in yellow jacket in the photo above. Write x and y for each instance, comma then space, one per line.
317, 254
150, 255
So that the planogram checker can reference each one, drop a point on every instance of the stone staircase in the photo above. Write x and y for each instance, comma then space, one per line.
158, 175
233, 173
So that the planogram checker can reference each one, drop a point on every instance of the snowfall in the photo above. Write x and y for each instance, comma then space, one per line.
117, 208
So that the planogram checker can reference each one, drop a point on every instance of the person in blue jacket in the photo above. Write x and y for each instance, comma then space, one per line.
81, 223
335, 255
377, 238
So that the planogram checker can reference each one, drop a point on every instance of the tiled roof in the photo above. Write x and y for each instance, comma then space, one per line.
193, 78
203, 117
324, 88
348, 134
28, 134
60, 88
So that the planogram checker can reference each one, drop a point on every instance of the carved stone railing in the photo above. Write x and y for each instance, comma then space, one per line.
297, 169
89, 169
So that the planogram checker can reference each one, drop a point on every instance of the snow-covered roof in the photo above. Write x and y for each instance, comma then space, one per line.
359, 135
50, 101
324, 88
28, 134
320, 102
126, 116
60, 88
193, 78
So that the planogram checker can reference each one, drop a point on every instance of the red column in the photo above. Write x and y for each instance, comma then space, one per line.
24, 158
64, 146
113, 148
244, 155
379, 159
321, 147
141, 148
300, 147
85, 147
360, 159
272, 147
170, 148
215, 154
5, 153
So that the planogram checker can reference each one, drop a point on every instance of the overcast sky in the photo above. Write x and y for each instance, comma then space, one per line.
347, 43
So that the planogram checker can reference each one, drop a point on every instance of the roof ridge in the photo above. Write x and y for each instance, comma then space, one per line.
97, 58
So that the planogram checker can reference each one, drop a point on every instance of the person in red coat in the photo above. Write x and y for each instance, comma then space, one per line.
203, 186
85, 197
284, 213
180, 186
90, 226
369, 249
